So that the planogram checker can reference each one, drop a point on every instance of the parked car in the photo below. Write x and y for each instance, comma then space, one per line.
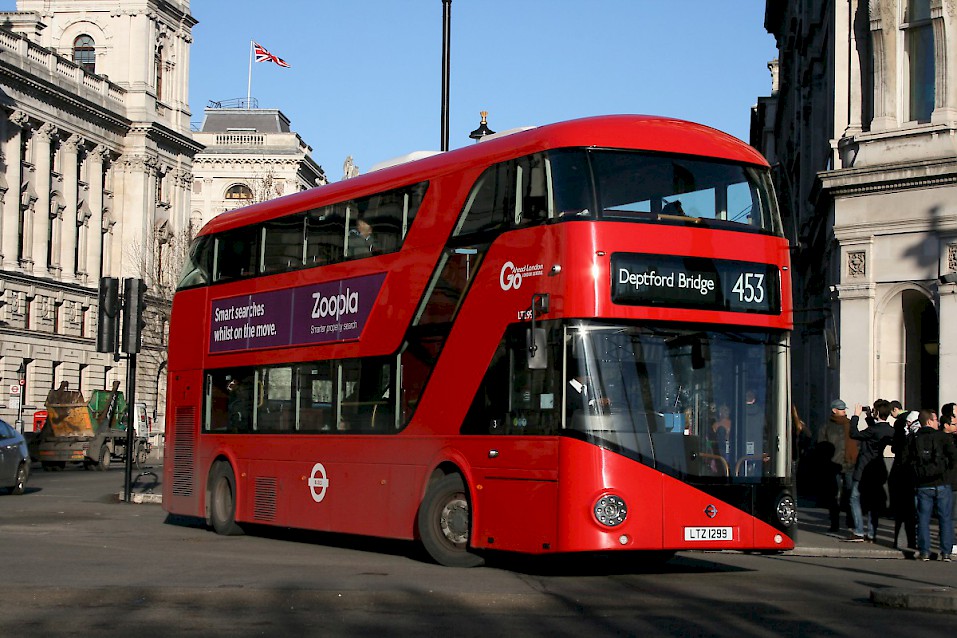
14, 459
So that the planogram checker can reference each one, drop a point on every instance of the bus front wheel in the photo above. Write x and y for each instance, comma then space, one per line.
444, 522
222, 500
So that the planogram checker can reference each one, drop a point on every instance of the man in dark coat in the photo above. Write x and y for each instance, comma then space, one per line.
870, 473
901, 486
932, 454
840, 466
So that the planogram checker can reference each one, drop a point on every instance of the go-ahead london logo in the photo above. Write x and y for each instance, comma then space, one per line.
511, 276
318, 482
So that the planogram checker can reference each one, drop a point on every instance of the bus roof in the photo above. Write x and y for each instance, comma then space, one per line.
640, 132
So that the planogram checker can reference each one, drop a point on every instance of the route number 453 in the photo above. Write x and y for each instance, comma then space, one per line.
750, 287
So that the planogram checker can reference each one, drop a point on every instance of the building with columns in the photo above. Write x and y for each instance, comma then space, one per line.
861, 128
250, 155
96, 174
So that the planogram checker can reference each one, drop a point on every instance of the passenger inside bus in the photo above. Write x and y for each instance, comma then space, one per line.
360, 238
673, 208
239, 402
721, 429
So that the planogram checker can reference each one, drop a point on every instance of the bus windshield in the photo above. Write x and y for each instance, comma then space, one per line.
641, 186
689, 402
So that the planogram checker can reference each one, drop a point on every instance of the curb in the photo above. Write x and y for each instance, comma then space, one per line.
943, 599
835, 552
140, 498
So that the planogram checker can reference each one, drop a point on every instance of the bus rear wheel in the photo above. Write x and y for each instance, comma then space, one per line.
222, 500
444, 522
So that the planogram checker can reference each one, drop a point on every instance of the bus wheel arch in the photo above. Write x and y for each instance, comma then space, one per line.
221, 499
444, 521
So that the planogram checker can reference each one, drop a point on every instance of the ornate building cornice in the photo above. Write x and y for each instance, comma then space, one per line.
47, 132
19, 118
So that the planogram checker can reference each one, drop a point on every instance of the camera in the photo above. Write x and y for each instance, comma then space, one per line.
867, 409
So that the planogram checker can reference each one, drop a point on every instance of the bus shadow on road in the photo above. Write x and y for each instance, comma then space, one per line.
368, 544
607, 563
578, 564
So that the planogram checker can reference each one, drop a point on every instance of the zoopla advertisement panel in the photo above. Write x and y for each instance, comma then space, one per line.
316, 313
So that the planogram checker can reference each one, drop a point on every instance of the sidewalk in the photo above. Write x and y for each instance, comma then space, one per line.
814, 539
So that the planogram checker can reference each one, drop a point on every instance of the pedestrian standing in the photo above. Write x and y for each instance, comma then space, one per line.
901, 485
839, 468
933, 453
870, 472
896, 411
948, 423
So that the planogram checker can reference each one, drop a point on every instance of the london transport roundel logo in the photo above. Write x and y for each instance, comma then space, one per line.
318, 483
509, 277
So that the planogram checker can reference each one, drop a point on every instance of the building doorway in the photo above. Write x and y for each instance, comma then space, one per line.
921, 337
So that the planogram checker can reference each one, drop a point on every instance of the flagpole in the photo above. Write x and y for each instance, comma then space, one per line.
249, 82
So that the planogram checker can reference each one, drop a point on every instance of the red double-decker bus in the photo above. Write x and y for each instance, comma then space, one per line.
570, 338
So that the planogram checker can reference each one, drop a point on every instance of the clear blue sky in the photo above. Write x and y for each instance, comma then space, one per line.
366, 74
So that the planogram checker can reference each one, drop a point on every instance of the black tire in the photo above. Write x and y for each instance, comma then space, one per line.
140, 457
221, 499
23, 473
445, 522
105, 460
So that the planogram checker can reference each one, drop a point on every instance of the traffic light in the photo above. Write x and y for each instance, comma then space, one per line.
134, 307
108, 313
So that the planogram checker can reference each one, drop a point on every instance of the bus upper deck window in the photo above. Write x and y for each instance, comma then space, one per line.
237, 253
198, 264
569, 181
283, 244
325, 235
652, 187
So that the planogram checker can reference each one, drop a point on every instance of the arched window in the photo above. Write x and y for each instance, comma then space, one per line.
239, 191
84, 53
920, 60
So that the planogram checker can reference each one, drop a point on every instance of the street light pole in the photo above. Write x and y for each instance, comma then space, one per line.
22, 381
446, 32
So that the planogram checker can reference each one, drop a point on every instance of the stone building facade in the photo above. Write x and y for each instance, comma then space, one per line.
96, 174
861, 128
250, 155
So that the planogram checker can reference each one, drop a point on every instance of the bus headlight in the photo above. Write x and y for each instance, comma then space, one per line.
611, 510
786, 511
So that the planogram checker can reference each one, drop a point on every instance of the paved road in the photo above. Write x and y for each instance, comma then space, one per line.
76, 562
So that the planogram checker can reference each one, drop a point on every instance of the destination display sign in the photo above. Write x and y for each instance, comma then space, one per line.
695, 282
316, 313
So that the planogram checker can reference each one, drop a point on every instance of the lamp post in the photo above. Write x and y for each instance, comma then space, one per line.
446, 28
22, 381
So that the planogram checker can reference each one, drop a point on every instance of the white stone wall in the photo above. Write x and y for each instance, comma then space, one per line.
869, 196
279, 163
83, 156
894, 189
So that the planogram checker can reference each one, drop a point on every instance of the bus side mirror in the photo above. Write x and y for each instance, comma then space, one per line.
537, 349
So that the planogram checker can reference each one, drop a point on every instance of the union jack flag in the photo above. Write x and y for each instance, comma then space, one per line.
262, 55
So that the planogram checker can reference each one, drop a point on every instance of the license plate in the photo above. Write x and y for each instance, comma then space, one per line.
708, 534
